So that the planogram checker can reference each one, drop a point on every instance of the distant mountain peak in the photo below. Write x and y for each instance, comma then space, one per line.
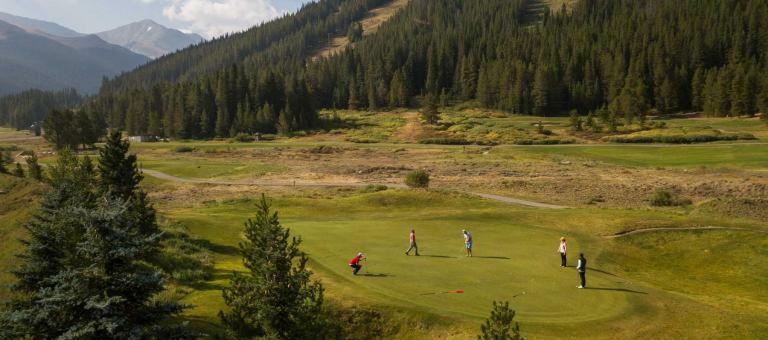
150, 38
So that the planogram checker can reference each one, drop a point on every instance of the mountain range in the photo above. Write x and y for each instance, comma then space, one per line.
48, 56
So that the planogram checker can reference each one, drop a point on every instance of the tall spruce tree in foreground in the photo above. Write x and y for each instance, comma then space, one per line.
500, 326
82, 274
119, 177
277, 298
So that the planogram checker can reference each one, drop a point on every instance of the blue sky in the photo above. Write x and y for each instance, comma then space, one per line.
208, 18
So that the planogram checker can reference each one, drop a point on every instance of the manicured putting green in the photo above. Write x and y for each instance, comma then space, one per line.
511, 256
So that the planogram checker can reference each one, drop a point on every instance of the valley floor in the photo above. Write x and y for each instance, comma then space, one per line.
690, 271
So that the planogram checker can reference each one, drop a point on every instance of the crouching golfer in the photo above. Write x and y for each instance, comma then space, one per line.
355, 263
412, 241
467, 242
563, 250
582, 268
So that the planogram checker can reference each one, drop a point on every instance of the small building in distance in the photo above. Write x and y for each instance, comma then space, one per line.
142, 139
36, 129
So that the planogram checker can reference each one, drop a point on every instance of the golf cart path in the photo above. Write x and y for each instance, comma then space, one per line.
304, 183
649, 230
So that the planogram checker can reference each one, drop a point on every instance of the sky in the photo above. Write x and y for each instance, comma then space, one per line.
209, 18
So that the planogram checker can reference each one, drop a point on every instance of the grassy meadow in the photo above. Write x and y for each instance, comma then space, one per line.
680, 283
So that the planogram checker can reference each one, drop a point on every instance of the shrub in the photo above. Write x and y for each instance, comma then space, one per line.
243, 138
528, 141
679, 139
666, 198
268, 137
360, 140
445, 141
183, 149
662, 198
371, 188
417, 179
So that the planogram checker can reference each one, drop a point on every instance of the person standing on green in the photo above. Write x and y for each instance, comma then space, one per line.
582, 268
412, 242
467, 242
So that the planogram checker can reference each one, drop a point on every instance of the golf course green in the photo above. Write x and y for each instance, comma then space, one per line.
515, 258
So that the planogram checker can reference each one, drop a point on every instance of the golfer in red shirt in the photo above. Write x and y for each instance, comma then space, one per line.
355, 263
412, 240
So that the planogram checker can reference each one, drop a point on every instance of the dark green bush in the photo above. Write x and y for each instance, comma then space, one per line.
417, 179
371, 188
183, 149
362, 140
445, 141
527, 141
662, 198
678, 139
243, 138
666, 198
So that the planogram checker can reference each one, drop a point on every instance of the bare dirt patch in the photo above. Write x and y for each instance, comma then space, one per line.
371, 23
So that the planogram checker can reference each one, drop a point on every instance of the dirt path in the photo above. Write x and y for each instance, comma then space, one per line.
318, 184
650, 230
412, 129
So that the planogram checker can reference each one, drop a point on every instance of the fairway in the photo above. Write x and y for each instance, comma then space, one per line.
513, 254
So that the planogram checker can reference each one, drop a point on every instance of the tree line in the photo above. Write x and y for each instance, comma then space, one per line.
20, 111
624, 57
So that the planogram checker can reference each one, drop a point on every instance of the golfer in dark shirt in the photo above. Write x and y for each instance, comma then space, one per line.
582, 268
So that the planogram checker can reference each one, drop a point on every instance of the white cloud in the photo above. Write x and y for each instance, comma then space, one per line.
216, 17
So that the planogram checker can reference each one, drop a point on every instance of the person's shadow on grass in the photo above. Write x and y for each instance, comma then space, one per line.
375, 275
618, 290
492, 257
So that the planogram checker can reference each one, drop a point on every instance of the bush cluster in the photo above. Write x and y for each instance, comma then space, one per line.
666, 198
528, 141
417, 179
679, 139
445, 141
183, 149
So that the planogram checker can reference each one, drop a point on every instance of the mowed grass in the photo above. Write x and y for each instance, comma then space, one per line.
749, 125
753, 156
515, 252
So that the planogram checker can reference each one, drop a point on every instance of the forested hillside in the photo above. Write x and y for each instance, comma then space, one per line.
21, 110
622, 57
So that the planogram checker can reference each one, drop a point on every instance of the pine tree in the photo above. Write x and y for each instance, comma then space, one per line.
119, 177
738, 94
18, 171
34, 168
500, 326
354, 101
697, 89
83, 274
82, 277
429, 112
540, 92
276, 298
3, 169
576, 122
